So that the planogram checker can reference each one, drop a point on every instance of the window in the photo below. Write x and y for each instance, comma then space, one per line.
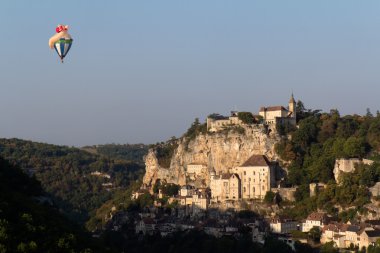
253, 189
245, 173
244, 189
249, 179
263, 188
253, 173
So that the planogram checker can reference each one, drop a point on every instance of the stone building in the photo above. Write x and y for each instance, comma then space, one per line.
218, 122
369, 237
252, 180
279, 225
257, 177
224, 186
314, 220
194, 168
274, 115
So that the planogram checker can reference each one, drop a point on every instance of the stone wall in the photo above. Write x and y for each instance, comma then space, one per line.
286, 193
347, 166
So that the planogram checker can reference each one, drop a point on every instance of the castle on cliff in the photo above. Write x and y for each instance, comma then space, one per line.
271, 115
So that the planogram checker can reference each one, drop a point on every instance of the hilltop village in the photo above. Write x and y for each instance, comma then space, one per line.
239, 188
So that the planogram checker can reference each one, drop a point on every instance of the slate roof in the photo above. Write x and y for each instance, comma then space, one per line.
273, 108
373, 233
256, 160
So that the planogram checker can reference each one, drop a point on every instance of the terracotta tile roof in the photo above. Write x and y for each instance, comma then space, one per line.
256, 160
317, 217
273, 108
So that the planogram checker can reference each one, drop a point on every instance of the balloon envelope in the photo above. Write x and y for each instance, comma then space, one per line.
62, 47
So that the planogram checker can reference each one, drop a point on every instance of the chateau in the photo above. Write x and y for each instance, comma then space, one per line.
271, 115
279, 114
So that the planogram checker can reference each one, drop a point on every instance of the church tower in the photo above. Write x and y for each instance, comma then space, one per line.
292, 106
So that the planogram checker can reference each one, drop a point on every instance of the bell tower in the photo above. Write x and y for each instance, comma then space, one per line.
292, 106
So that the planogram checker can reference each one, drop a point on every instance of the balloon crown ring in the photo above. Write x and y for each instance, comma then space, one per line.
60, 28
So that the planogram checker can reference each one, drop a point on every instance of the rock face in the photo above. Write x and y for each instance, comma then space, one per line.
347, 166
219, 151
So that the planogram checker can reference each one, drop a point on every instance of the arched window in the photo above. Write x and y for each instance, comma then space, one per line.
253, 189
244, 189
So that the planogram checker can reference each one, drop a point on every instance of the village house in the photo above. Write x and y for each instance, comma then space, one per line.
343, 235
274, 115
200, 200
146, 226
224, 186
196, 200
186, 191
368, 237
282, 226
314, 220
194, 169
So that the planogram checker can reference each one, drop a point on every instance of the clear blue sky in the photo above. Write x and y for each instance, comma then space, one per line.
141, 71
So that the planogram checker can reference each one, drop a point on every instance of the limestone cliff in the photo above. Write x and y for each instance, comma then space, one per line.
220, 151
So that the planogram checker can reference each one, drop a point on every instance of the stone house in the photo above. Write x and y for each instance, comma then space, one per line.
225, 186
343, 235
368, 237
315, 219
200, 201
186, 190
282, 226
219, 122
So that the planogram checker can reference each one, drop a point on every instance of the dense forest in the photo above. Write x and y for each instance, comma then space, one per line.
128, 152
65, 173
311, 151
30, 223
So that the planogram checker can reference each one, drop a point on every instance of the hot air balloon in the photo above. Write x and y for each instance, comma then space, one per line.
61, 41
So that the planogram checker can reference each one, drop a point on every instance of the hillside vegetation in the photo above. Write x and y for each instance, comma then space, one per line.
320, 139
128, 152
28, 225
65, 173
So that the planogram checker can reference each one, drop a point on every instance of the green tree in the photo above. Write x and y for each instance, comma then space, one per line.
315, 234
328, 248
270, 197
246, 117
354, 147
